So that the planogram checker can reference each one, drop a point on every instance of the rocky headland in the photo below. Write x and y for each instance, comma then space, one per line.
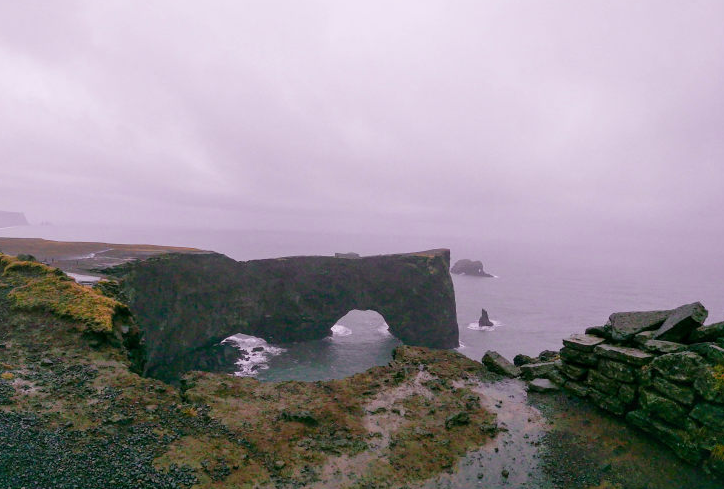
8, 219
76, 407
188, 303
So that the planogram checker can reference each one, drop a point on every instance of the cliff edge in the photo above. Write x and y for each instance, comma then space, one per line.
187, 304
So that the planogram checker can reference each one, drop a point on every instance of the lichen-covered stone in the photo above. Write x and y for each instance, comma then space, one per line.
680, 393
602, 331
624, 354
610, 403
662, 347
710, 384
711, 351
577, 388
710, 414
572, 371
499, 364
662, 407
625, 325
709, 332
583, 342
682, 321
538, 370
677, 439
683, 366
602, 383
617, 370
627, 393
572, 355
542, 385
642, 338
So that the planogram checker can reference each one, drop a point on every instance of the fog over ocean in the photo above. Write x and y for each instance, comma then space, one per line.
543, 292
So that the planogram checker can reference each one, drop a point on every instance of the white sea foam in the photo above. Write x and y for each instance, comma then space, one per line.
477, 327
251, 362
340, 330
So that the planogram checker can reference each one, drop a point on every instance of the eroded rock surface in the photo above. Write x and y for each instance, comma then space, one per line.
186, 304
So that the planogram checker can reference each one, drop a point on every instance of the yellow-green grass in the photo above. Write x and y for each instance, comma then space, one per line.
36, 286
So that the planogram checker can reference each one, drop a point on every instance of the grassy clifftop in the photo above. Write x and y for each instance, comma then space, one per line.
35, 286
73, 413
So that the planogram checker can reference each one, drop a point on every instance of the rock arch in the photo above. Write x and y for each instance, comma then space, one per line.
189, 303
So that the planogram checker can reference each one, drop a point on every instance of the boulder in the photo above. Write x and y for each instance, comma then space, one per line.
521, 359
662, 407
535, 370
682, 322
617, 370
601, 331
710, 385
542, 385
469, 267
711, 415
484, 319
711, 351
576, 388
709, 332
642, 338
573, 372
610, 403
632, 356
583, 342
679, 393
602, 383
588, 359
625, 325
548, 356
662, 347
499, 364
682, 366
627, 393
676, 439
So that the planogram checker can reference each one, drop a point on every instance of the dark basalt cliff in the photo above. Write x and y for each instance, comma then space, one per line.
187, 304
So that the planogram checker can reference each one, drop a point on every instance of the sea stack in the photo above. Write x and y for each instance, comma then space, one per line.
484, 319
469, 267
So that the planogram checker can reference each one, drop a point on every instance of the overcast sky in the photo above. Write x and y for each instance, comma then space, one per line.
504, 118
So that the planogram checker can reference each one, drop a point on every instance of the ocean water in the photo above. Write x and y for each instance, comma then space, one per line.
542, 292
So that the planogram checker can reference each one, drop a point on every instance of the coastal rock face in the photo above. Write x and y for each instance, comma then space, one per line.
469, 267
187, 304
12, 219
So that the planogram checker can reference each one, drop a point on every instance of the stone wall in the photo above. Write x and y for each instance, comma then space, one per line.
661, 370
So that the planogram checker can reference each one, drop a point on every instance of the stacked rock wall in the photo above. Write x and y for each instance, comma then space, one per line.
662, 370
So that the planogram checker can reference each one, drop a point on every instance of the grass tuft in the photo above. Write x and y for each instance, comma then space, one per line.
39, 287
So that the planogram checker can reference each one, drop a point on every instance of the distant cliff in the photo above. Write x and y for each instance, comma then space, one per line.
12, 219
186, 304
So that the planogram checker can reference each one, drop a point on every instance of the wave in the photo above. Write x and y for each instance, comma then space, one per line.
255, 354
340, 330
477, 327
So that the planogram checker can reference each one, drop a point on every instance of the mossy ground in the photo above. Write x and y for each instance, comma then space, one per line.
35, 286
72, 413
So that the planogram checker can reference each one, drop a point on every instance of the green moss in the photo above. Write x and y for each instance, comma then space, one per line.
40, 287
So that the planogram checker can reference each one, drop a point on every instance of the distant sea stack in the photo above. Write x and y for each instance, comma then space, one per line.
484, 319
469, 267
8, 219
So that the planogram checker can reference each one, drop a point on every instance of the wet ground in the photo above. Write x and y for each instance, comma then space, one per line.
553, 441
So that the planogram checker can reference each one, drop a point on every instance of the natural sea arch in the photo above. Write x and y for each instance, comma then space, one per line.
187, 304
